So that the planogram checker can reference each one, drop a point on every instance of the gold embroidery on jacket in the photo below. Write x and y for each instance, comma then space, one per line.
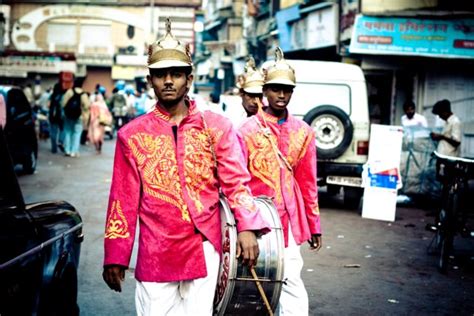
289, 183
155, 156
199, 162
242, 198
316, 209
263, 163
298, 143
160, 114
117, 226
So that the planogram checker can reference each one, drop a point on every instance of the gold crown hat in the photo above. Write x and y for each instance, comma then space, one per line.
169, 52
251, 81
280, 72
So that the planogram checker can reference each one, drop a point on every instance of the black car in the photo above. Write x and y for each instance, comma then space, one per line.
20, 129
39, 250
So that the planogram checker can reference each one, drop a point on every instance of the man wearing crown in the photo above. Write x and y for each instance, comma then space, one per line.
164, 179
250, 85
280, 152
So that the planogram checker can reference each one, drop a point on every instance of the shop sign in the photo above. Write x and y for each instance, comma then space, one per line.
95, 59
316, 30
380, 6
12, 73
321, 28
40, 64
415, 37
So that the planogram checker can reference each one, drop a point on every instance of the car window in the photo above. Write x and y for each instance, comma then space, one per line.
325, 94
19, 113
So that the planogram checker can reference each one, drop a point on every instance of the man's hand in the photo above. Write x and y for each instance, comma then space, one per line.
451, 141
436, 136
316, 242
247, 247
114, 275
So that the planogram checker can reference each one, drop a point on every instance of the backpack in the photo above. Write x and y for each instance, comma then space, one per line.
55, 111
118, 104
73, 108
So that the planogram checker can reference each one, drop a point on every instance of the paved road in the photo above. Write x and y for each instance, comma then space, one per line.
395, 276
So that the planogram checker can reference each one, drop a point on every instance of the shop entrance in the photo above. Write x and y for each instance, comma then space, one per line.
379, 91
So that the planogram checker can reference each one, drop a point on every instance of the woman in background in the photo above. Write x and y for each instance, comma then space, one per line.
100, 117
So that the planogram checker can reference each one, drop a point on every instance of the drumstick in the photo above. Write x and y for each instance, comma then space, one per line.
262, 293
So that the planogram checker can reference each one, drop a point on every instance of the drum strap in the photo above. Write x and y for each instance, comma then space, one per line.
268, 134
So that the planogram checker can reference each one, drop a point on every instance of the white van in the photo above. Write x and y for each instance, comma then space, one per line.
332, 98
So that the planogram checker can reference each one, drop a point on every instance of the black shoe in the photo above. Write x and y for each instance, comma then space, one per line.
61, 147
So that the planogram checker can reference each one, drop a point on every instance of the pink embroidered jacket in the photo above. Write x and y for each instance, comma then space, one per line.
295, 191
164, 179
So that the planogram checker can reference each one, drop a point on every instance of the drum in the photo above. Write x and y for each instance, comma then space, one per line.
237, 292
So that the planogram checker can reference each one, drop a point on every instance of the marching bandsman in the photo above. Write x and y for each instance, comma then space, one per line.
250, 85
164, 179
280, 152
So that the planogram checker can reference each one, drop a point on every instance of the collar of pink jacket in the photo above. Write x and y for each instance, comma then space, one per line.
163, 114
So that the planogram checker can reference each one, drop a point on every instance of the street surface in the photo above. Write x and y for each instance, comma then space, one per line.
366, 267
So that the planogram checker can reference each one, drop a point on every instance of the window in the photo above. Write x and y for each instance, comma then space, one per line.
323, 94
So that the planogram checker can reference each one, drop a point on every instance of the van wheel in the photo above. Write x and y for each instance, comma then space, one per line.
333, 129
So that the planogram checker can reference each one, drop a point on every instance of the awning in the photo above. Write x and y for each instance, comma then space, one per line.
212, 25
452, 38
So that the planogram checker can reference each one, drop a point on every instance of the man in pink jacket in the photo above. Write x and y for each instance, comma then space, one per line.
164, 179
250, 85
281, 155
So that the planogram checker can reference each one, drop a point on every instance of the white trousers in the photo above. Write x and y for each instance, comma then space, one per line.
294, 298
193, 297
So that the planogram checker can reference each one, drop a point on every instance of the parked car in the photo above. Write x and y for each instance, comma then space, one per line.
332, 98
40, 246
20, 129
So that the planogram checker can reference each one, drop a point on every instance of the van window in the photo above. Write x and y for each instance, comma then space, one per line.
325, 94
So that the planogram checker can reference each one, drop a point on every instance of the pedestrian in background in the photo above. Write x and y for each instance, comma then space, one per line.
99, 118
3, 111
76, 115
55, 116
130, 99
164, 178
280, 152
411, 118
118, 107
43, 100
28, 91
450, 138
140, 102
150, 100
99, 89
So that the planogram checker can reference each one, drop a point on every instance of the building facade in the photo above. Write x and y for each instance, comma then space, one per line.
104, 42
418, 50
